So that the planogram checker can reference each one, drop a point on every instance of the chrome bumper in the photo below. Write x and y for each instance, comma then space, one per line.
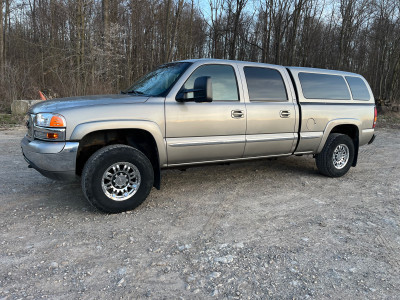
56, 160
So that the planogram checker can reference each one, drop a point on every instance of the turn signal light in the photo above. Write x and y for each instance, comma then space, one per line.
57, 121
375, 117
52, 136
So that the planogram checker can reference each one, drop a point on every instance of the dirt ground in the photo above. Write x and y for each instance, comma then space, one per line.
255, 230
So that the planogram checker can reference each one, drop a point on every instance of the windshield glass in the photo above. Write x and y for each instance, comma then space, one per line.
159, 81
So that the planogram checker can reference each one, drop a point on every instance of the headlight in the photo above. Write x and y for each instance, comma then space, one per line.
50, 120
50, 127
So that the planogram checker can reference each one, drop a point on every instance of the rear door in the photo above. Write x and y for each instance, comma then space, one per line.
271, 111
202, 132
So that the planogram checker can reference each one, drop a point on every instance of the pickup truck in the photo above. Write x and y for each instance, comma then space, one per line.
195, 112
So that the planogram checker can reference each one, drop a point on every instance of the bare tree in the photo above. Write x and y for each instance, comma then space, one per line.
1, 38
101, 46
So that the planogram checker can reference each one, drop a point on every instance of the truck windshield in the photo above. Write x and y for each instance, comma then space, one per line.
159, 81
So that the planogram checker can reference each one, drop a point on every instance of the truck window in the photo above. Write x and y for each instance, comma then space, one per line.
323, 86
358, 88
224, 85
159, 81
265, 84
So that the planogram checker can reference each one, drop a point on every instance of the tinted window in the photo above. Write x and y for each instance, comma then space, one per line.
323, 86
224, 86
358, 88
265, 84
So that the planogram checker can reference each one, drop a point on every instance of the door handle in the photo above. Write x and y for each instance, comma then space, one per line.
237, 114
284, 113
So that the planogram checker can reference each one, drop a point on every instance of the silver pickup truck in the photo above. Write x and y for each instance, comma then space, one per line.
195, 112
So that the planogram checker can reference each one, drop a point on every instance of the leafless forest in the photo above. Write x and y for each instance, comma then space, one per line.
77, 47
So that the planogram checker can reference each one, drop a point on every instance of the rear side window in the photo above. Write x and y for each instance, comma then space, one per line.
265, 84
323, 86
358, 88
224, 85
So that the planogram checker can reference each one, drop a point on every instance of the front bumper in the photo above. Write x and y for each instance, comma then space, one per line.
55, 160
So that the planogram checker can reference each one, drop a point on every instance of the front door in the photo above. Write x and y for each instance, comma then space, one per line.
212, 131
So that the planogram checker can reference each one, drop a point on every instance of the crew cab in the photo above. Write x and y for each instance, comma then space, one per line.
195, 112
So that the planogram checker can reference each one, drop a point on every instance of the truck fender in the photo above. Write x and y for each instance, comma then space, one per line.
85, 128
332, 124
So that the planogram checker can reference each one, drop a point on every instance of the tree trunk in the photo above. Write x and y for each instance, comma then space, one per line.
167, 31
174, 31
6, 28
105, 13
190, 37
240, 4
1, 39
80, 44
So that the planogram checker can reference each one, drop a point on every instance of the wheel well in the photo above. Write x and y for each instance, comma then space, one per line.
138, 138
352, 132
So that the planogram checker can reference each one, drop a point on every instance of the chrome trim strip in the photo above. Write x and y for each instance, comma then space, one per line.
273, 137
45, 129
38, 131
303, 152
205, 141
310, 135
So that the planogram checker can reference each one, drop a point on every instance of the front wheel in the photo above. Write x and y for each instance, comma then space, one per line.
337, 155
117, 178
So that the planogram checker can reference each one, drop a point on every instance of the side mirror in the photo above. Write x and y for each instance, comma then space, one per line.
202, 91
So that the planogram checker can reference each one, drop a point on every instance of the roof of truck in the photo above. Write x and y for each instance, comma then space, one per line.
298, 69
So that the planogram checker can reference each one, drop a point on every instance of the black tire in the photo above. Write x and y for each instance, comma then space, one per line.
325, 159
100, 162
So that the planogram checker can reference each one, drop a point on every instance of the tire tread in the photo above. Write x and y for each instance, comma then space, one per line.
90, 169
324, 160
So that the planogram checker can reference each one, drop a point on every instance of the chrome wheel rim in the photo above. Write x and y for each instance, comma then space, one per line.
121, 181
340, 156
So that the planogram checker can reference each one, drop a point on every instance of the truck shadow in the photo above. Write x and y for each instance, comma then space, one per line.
66, 196
291, 166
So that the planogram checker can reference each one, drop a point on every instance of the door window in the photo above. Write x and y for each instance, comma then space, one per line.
265, 84
224, 84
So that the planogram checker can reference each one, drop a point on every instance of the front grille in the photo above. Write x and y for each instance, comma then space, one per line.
29, 125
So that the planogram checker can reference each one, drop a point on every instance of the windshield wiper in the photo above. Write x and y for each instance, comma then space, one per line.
132, 92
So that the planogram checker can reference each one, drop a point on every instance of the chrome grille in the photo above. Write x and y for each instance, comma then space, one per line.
29, 125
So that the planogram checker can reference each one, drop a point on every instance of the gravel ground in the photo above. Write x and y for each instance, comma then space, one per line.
264, 229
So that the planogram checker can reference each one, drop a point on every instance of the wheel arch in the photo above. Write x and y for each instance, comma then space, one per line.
148, 139
348, 126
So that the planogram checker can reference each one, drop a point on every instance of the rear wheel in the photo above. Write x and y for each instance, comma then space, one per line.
117, 178
337, 155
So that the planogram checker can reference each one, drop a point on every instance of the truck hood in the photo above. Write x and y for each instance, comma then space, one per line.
63, 104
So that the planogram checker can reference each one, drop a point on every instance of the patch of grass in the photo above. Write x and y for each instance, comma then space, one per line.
9, 120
